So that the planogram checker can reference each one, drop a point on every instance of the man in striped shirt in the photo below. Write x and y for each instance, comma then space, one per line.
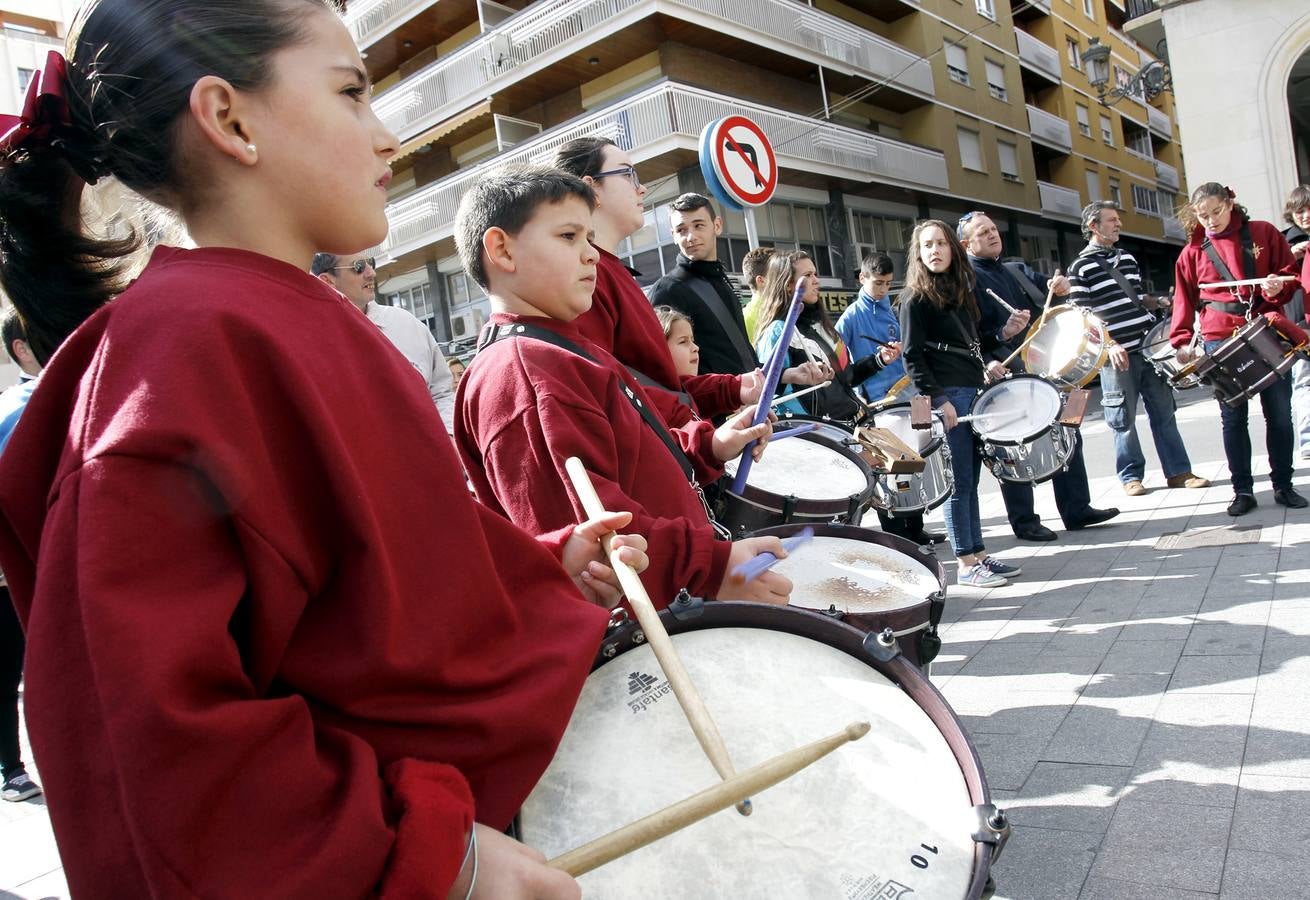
1093, 285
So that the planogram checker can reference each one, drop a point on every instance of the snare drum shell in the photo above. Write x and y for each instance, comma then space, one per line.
832, 633
915, 616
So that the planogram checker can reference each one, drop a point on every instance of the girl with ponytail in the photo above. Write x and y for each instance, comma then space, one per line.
274, 647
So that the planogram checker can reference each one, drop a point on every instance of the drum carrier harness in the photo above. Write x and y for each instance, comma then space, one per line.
1243, 308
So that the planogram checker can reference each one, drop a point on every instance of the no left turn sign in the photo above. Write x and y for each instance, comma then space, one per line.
737, 153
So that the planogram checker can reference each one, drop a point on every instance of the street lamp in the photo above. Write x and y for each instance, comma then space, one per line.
1152, 81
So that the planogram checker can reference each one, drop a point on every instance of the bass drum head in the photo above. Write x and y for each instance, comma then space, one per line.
1156, 343
896, 419
1016, 409
807, 466
1059, 342
882, 816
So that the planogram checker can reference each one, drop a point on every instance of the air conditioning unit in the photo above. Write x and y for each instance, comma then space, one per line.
511, 131
491, 14
466, 325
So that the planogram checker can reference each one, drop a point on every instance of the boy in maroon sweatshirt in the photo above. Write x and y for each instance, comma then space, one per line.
539, 392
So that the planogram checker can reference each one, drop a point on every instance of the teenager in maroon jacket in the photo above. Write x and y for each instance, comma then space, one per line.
274, 648
1225, 226
539, 392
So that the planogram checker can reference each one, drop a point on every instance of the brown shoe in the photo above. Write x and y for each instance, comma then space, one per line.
1188, 480
1134, 488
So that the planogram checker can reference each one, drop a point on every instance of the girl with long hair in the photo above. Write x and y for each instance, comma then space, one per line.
243, 676
1226, 244
943, 355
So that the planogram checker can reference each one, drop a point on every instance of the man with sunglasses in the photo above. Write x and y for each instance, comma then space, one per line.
1024, 290
356, 278
699, 287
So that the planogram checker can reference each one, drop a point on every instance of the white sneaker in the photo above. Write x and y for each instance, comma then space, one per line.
980, 576
19, 786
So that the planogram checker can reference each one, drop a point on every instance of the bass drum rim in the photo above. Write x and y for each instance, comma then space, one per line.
851, 641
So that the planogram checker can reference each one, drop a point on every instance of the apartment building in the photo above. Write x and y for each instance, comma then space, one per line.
882, 112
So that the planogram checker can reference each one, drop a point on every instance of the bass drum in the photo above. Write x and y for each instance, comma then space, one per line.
905, 811
1068, 346
869, 579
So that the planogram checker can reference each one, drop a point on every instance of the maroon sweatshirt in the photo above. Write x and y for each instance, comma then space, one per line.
274, 647
527, 405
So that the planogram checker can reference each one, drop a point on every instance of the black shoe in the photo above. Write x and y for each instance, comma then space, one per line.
1035, 533
1243, 504
1093, 516
1290, 498
928, 537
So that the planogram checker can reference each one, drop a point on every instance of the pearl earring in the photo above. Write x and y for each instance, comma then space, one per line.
250, 148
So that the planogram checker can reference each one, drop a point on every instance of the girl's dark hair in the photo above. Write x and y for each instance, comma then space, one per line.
131, 68
583, 156
1215, 191
1298, 200
779, 287
946, 290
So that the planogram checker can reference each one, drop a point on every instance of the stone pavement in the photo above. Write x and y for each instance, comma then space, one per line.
1142, 713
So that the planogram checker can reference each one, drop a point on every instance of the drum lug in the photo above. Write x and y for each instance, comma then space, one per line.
618, 619
993, 828
639, 636
936, 606
685, 606
881, 645
788, 508
852, 510
930, 644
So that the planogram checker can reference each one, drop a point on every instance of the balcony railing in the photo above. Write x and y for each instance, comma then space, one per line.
1035, 54
1160, 123
1137, 8
1050, 130
1059, 201
369, 20
554, 30
668, 116
1167, 175
1174, 229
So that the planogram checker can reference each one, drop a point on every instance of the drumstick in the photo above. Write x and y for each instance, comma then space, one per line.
783, 398
1245, 282
869, 337
665, 822
792, 432
772, 372
707, 733
1001, 300
756, 566
1046, 307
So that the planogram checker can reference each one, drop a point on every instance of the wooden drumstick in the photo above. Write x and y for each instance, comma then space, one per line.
783, 398
1046, 308
693, 706
665, 822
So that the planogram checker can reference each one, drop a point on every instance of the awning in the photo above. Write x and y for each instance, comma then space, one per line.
443, 128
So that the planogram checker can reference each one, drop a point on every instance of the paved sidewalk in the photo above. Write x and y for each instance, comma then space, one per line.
1141, 712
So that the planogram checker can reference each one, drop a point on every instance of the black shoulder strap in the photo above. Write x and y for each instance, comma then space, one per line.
650, 383
1119, 278
497, 332
730, 326
1248, 269
1025, 283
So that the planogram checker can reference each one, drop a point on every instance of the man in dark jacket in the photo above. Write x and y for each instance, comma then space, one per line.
982, 239
700, 288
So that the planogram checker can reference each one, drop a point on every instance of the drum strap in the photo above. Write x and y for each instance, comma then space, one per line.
1124, 284
731, 328
651, 384
497, 332
1248, 271
1025, 283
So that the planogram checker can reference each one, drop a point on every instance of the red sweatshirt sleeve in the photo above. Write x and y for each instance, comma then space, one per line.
714, 394
1187, 296
524, 468
161, 594
695, 436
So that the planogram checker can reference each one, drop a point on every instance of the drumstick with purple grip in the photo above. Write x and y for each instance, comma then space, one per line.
755, 567
657, 638
792, 432
665, 822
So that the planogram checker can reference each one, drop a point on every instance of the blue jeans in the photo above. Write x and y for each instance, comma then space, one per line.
1119, 394
1276, 401
963, 523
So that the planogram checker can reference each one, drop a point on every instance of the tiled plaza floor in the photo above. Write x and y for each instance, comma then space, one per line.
1143, 713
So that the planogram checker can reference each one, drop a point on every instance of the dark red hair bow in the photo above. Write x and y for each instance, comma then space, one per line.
45, 111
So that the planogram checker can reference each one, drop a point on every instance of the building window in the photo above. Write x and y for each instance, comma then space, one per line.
970, 149
1089, 7
1115, 195
416, 300
996, 80
24, 79
1146, 200
1107, 130
1138, 141
1084, 122
1123, 79
1009, 154
872, 233
957, 63
987, 8
1093, 186
1075, 60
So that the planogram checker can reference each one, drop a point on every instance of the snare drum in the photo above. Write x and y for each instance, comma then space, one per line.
1069, 347
907, 494
833, 429
1017, 421
1160, 354
805, 478
869, 579
1247, 363
905, 809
